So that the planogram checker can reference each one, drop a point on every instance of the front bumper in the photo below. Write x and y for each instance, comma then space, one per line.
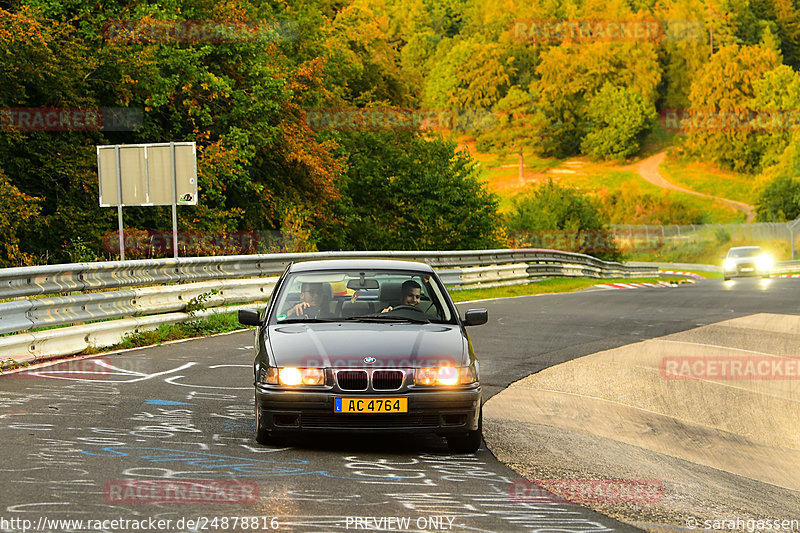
442, 412
745, 270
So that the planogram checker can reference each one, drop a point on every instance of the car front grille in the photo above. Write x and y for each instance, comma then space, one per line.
352, 379
361, 380
387, 379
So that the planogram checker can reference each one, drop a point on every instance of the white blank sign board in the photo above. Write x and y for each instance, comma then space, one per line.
146, 174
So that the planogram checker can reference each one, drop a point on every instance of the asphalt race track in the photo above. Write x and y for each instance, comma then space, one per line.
73, 433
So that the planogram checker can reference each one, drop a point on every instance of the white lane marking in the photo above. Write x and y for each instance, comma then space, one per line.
122, 371
725, 348
171, 381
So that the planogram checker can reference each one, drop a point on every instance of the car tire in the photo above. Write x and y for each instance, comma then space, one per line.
467, 442
725, 278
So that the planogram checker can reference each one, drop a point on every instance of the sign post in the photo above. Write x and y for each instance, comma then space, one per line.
148, 174
119, 205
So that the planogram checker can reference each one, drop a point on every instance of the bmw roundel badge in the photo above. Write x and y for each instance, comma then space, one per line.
369, 360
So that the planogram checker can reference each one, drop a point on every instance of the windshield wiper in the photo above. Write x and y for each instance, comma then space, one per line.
299, 320
387, 319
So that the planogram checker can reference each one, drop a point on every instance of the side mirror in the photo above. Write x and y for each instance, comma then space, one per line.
476, 317
249, 317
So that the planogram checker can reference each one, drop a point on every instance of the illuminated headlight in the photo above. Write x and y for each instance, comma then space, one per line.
729, 264
445, 375
764, 263
301, 376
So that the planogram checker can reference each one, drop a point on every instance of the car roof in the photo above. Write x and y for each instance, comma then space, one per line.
746, 248
359, 264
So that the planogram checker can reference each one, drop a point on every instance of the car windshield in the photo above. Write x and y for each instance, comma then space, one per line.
744, 252
376, 296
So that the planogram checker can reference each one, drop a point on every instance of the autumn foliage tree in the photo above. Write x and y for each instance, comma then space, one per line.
16, 211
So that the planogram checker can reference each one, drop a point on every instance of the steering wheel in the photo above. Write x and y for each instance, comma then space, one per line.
411, 307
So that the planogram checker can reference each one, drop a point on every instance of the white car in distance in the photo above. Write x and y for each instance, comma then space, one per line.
747, 261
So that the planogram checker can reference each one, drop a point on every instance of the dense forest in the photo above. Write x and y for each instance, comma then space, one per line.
240, 79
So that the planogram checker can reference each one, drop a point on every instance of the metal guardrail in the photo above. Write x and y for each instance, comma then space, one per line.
787, 266
24, 315
155, 288
49, 279
779, 268
679, 266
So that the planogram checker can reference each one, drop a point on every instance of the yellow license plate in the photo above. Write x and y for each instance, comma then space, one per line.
370, 405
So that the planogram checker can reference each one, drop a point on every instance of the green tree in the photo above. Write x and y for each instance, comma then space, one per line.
787, 18
776, 185
618, 122
469, 74
684, 51
779, 201
777, 99
405, 192
553, 213
722, 103
510, 133
572, 75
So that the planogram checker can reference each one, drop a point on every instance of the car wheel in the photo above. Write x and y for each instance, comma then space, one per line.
725, 278
468, 442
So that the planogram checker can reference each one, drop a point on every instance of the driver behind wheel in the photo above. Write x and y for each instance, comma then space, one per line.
314, 298
411, 293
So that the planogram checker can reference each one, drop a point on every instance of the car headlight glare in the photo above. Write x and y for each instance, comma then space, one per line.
764, 262
445, 375
301, 376
729, 264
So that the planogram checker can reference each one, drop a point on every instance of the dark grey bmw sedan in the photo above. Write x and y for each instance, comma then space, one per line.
365, 346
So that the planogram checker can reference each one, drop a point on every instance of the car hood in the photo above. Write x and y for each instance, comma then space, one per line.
346, 345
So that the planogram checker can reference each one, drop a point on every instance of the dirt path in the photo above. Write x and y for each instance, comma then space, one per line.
648, 169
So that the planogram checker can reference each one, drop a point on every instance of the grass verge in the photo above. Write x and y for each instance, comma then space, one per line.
12, 364
710, 275
210, 325
546, 286
702, 177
